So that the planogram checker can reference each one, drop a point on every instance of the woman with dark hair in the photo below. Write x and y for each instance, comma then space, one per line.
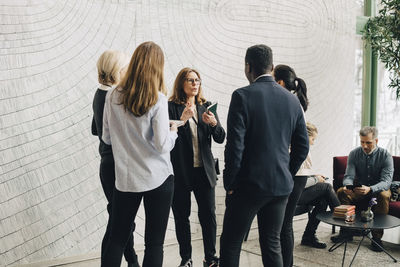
286, 77
110, 68
194, 164
136, 123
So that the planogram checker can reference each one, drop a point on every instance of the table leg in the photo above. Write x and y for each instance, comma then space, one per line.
344, 253
358, 247
335, 246
384, 250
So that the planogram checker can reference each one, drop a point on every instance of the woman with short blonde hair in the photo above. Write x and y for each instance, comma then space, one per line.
311, 129
110, 68
136, 123
318, 193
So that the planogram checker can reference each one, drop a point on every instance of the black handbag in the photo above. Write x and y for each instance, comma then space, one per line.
216, 162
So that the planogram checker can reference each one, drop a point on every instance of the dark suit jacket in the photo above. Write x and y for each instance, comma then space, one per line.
264, 121
97, 121
182, 154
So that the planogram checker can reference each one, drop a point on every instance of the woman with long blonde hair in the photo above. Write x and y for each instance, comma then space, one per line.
194, 164
136, 124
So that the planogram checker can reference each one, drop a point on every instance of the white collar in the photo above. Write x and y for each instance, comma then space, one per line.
262, 75
104, 87
370, 153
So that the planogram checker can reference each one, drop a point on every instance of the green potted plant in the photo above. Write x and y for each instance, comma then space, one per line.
382, 32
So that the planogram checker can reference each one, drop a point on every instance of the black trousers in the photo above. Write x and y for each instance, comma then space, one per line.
181, 205
157, 203
320, 196
287, 237
241, 209
107, 178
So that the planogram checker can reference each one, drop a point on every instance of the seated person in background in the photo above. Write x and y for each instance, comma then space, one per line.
316, 193
371, 167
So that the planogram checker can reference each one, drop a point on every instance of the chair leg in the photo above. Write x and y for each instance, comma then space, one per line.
333, 229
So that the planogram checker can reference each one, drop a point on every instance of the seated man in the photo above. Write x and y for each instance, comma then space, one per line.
370, 168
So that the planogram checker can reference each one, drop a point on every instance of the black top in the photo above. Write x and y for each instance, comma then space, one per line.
264, 120
97, 122
182, 154
380, 221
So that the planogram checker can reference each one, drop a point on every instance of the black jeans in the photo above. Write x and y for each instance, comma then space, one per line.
241, 209
181, 205
287, 238
320, 196
107, 178
157, 203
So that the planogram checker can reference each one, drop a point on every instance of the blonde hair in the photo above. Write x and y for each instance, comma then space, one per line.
143, 80
311, 129
178, 94
109, 66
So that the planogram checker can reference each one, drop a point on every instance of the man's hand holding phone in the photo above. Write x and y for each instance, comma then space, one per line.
349, 189
362, 190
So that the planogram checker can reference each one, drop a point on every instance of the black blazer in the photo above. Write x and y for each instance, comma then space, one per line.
97, 121
182, 154
264, 121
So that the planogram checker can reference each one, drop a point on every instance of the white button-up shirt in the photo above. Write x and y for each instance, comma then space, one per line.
141, 145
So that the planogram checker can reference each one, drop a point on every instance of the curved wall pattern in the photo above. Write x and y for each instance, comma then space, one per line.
51, 201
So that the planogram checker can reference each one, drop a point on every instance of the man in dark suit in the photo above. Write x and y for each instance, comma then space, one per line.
266, 144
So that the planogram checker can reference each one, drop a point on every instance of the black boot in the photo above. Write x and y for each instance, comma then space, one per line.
375, 247
342, 236
133, 261
186, 263
133, 264
312, 241
214, 262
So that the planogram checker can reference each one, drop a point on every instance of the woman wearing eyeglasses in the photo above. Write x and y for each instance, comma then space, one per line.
193, 164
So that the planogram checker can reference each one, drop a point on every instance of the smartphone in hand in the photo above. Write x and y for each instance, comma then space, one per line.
352, 186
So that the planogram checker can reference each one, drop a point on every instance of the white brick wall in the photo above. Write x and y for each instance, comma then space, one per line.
51, 201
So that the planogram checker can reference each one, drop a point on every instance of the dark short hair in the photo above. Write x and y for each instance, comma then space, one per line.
259, 57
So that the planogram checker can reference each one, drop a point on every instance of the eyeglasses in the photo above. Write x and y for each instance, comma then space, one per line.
196, 81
